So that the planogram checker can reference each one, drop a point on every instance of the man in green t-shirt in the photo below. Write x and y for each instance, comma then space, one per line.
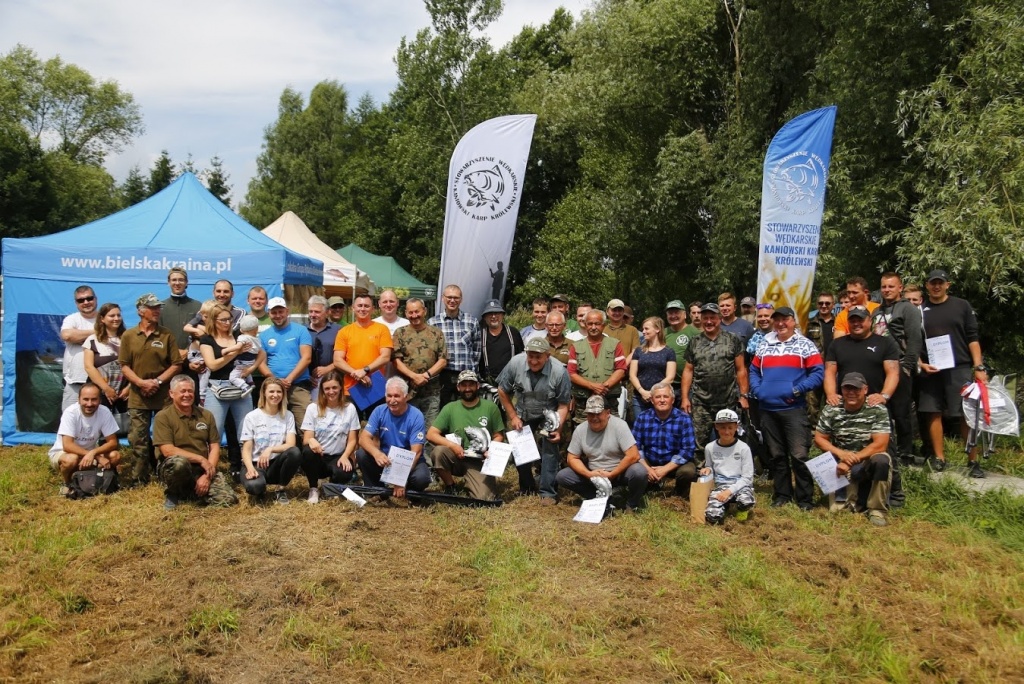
475, 422
678, 336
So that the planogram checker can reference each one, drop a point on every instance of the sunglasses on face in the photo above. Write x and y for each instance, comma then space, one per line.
824, 303
759, 307
83, 300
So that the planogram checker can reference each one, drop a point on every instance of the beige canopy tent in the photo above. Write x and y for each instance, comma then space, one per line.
341, 277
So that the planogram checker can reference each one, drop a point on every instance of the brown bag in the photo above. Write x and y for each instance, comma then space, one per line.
700, 492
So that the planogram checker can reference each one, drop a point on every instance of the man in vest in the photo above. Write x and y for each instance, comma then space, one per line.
597, 364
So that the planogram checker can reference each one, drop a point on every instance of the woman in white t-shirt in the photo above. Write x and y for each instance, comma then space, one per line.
269, 454
329, 435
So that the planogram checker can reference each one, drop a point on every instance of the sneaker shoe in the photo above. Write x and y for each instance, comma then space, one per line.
937, 464
451, 490
742, 515
248, 390
779, 503
547, 501
236, 476
974, 470
877, 518
170, 503
314, 496
64, 489
282, 497
805, 506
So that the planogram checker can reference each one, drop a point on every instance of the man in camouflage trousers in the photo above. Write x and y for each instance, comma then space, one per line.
715, 376
857, 435
189, 446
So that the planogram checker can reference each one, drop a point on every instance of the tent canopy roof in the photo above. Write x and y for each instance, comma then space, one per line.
290, 231
387, 273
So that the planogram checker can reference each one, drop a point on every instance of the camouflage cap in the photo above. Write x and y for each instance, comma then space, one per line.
148, 301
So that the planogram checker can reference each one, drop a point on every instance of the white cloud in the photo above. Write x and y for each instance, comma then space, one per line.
208, 75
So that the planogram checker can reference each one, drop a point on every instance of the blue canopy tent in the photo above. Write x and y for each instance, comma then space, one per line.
122, 257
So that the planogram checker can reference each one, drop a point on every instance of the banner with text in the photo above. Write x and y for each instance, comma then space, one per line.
792, 202
485, 185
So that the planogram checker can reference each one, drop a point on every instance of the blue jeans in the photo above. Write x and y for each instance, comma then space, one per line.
419, 478
635, 480
238, 408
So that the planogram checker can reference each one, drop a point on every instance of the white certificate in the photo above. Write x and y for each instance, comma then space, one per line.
823, 470
497, 458
940, 352
523, 447
353, 497
592, 510
397, 473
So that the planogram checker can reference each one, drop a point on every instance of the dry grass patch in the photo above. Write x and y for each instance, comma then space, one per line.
118, 590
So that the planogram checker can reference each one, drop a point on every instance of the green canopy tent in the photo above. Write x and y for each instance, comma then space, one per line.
387, 274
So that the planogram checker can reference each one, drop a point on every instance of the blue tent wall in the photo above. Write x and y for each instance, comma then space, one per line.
128, 254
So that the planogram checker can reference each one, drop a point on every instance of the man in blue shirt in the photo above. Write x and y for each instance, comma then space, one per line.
289, 350
394, 423
664, 436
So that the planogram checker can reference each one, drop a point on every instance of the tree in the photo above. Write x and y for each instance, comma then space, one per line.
61, 102
965, 132
217, 181
26, 188
162, 174
133, 190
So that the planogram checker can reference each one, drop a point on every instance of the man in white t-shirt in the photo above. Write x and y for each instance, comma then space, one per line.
603, 448
74, 330
387, 302
86, 438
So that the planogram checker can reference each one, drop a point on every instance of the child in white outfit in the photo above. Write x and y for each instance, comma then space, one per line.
240, 376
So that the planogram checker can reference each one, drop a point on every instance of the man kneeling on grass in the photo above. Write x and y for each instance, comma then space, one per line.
475, 422
86, 438
188, 444
609, 450
857, 435
732, 465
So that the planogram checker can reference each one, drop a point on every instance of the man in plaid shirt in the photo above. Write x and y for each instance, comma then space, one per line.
665, 439
462, 335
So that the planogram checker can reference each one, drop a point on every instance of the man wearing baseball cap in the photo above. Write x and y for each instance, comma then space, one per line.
786, 367
500, 342
857, 436
539, 384
463, 457
603, 447
948, 322
336, 309
617, 327
677, 337
289, 348
149, 358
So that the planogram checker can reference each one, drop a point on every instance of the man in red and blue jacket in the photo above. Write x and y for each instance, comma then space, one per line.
786, 367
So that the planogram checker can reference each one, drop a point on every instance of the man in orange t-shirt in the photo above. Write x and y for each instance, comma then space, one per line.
857, 288
364, 347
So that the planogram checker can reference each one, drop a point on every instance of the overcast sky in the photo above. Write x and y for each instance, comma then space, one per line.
208, 75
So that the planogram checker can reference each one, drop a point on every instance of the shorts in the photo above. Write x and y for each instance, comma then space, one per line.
940, 392
55, 458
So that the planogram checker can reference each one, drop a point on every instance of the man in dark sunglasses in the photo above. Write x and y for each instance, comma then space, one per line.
74, 330
820, 331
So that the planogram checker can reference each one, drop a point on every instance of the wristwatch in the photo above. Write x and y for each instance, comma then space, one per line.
159, 381
885, 396
366, 369
980, 367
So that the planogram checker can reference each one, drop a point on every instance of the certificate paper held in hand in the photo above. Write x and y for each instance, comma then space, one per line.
397, 473
524, 448
823, 470
498, 454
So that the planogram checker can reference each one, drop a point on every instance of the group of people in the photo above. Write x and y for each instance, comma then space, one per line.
608, 405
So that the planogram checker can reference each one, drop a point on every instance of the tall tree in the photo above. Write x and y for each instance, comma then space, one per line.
162, 174
56, 101
133, 190
217, 181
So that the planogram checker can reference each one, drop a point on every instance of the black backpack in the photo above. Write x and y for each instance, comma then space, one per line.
92, 481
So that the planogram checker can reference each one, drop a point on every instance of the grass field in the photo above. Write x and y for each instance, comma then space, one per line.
117, 590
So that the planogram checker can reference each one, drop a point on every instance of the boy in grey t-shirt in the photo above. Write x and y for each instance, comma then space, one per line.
730, 462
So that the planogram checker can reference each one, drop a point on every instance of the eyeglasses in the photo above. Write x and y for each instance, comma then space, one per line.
224, 320
83, 300
453, 299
